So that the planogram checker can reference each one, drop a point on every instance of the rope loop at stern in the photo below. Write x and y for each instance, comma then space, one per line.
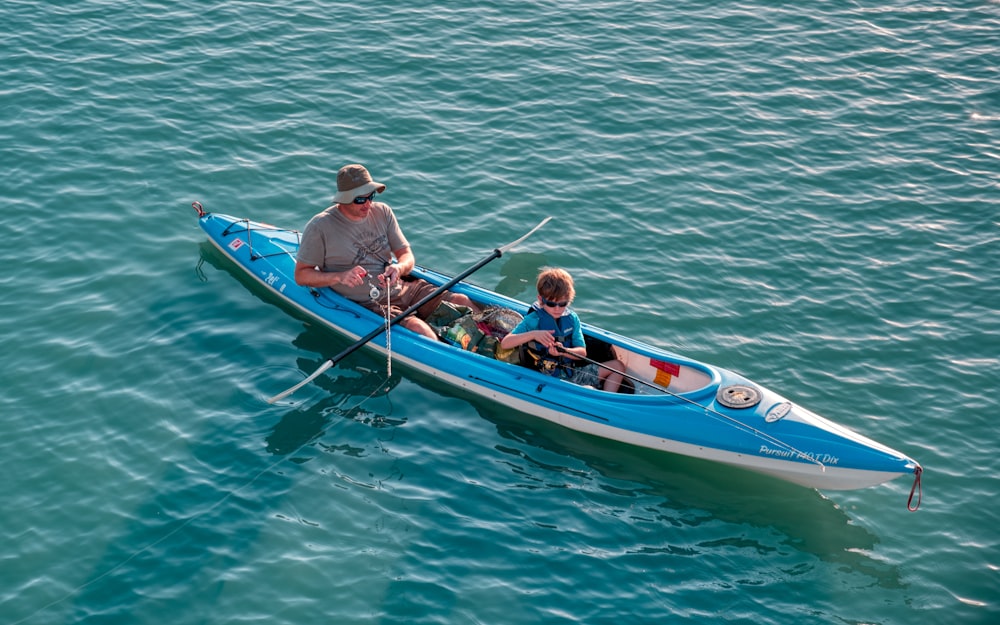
916, 488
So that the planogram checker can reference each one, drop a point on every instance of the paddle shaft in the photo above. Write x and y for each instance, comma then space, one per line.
412, 309
613, 370
497, 253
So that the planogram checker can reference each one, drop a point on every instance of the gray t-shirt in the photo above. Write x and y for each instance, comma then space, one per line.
333, 242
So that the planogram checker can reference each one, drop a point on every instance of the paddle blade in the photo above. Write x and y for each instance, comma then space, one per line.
315, 374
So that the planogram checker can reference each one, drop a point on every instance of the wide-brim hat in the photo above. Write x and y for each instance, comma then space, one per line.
354, 181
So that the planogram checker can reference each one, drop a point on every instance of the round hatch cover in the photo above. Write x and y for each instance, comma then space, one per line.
738, 396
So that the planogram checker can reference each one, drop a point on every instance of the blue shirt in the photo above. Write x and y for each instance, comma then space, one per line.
532, 321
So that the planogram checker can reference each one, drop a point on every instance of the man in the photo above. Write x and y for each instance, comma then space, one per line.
356, 248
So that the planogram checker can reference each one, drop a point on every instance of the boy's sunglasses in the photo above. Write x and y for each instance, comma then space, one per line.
361, 199
550, 303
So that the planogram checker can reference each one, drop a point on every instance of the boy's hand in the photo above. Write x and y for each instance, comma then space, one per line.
545, 338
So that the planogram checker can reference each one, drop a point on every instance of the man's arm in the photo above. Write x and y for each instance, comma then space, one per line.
309, 275
405, 260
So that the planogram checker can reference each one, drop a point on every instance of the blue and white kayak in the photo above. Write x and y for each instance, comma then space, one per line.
675, 404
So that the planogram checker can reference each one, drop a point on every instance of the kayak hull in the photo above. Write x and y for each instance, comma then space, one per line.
676, 404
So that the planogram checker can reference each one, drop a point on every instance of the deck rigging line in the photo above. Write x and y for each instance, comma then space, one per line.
708, 410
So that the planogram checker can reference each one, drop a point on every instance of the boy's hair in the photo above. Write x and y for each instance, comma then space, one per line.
555, 284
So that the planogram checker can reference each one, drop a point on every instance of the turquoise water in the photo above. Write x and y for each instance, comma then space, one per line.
805, 193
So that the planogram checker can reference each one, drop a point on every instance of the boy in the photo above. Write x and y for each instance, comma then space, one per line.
554, 336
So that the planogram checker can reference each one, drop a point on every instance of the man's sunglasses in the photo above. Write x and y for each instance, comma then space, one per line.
361, 199
551, 304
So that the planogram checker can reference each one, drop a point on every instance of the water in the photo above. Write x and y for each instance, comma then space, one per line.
805, 194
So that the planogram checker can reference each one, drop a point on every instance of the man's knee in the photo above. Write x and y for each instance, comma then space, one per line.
415, 324
462, 300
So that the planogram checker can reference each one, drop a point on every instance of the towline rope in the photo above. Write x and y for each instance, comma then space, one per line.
374, 295
388, 332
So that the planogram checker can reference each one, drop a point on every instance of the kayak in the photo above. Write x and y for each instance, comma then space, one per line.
668, 402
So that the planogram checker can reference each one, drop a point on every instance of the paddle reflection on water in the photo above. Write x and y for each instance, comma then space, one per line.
350, 397
349, 391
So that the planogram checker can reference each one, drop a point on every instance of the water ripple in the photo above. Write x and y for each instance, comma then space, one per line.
804, 194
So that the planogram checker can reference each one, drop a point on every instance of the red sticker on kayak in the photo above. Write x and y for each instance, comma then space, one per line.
236, 244
667, 367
